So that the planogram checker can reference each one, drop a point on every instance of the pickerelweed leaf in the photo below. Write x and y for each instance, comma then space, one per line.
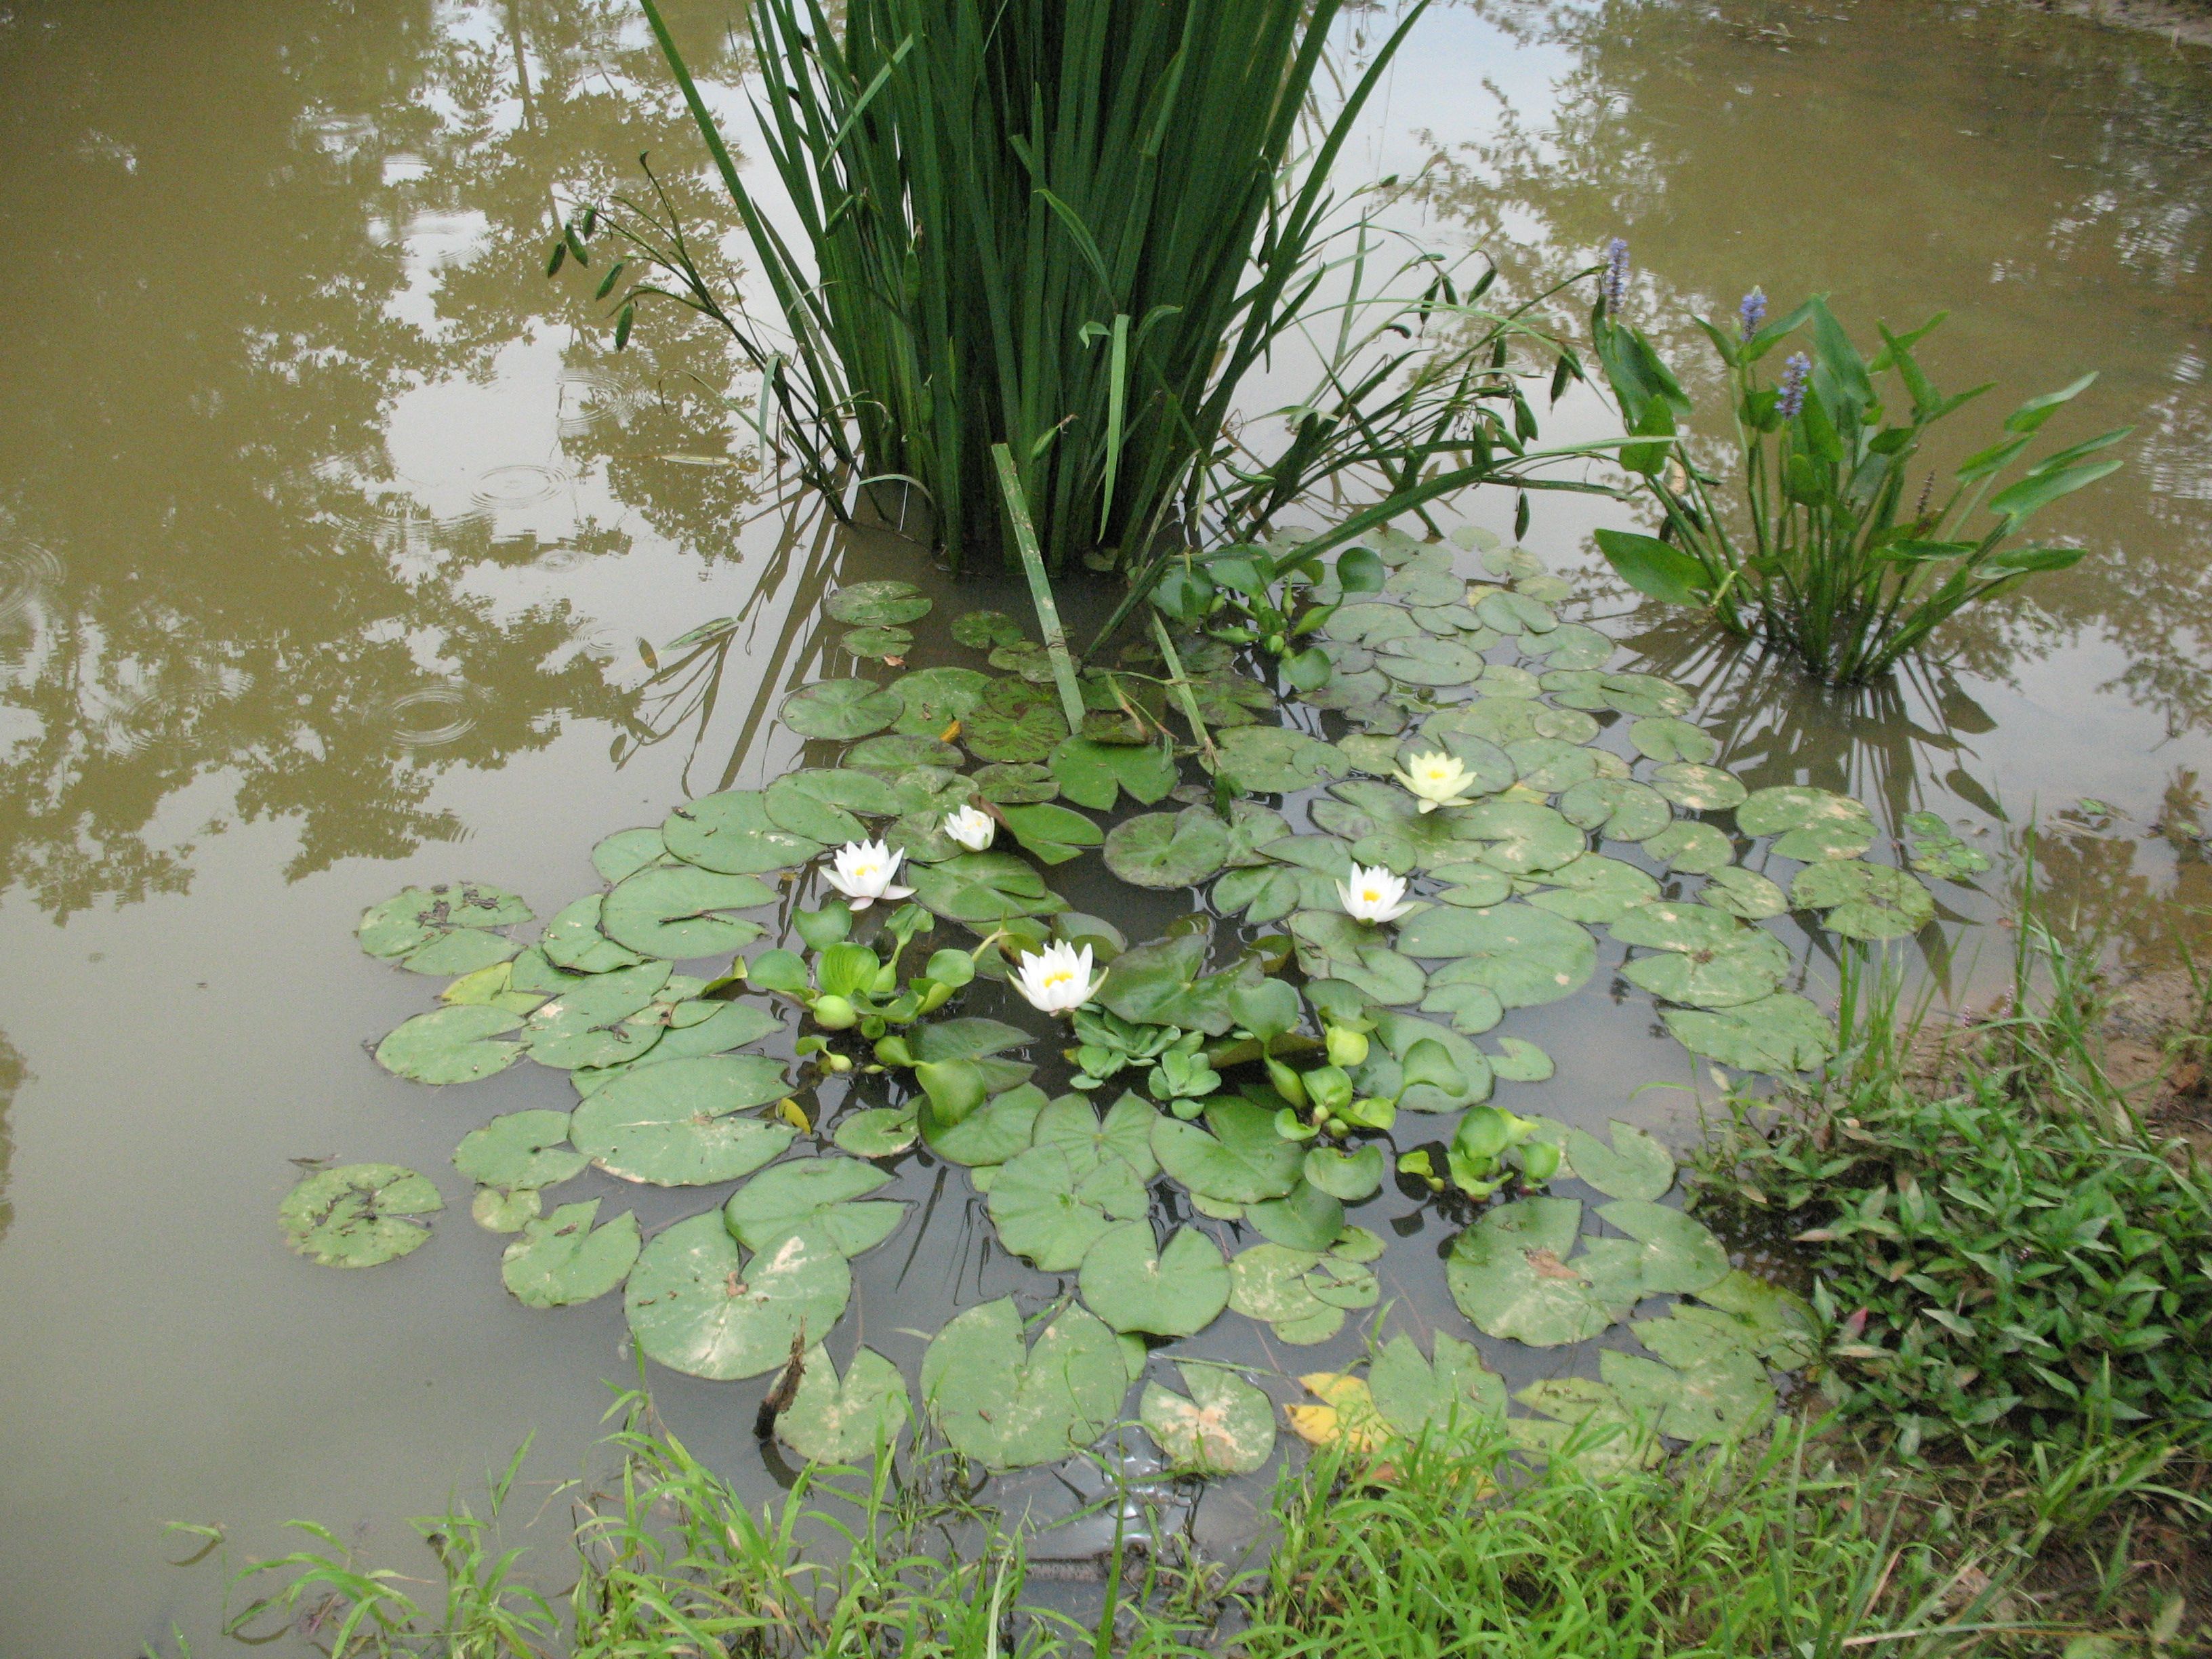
1444, 1403
1168, 849
1511, 1275
1864, 900
415, 919
1276, 760
1694, 848
697, 1303
626, 852
1051, 832
1527, 957
732, 833
678, 914
1242, 1161
520, 1149
563, 1260
1594, 889
1348, 1176
840, 709
1711, 960
794, 807
1012, 783
451, 1045
1007, 1408
846, 1420
878, 604
1135, 1284
895, 752
1779, 1033
358, 1215
1616, 808
1304, 1218
1813, 823
1303, 1294
878, 1131
995, 1132
1635, 1166
980, 888
1698, 788
591, 1024
817, 1194
1049, 1207
676, 1124
573, 940
980, 630
1665, 738
1094, 774
1224, 1426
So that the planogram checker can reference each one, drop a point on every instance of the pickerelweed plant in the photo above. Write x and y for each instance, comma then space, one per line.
1842, 547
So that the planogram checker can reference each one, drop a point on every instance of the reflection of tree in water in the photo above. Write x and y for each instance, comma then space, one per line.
12, 1073
206, 564
2047, 181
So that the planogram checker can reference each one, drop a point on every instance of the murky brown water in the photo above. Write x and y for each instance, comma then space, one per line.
327, 528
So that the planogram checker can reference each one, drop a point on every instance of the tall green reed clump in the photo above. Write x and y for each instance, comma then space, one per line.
1831, 552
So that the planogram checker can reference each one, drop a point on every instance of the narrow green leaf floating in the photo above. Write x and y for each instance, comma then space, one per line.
699, 1304
563, 1260
358, 1215
1224, 1427
846, 1419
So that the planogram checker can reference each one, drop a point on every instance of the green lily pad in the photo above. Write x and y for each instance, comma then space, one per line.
817, 1194
1094, 774
1664, 738
591, 1024
563, 1260
1864, 900
1276, 760
1304, 1218
1052, 1207
1303, 1294
520, 1150
1422, 659
1679, 1256
499, 1211
1936, 850
839, 709
1224, 1427
1616, 808
421, 922
876, 604
1069, 1124
1519, 1061
1052, 832
980, 630
1165, 983
1441, 1402
1813, 824
1500, 720
878, 1131
1369, 623
676, 1124
1425, 580
1594, 889
984, 888
878, 644
573, 940
626, 852
1511, 1275
1347, 1176
451, 1045
1711, 960
1774, 1323
1014, 720
358, 1215
726, 1025
1779, 1034
1527, 957
1384, 1074
799, 810
1269, 893
1590, 1427
1472, 1009
1006, 1407
895, 752
1023, 783
1696, 849
1332, 945
846, 1420
1548, 765
1643, 693
1698, 788
732, 834
1168, 849
1242, 1161
699, 1304
1744, 893
1707, 1390
932, 699
1635, 1166
1571, 644
673, 912
1523, 836
1134, 1284
1475, 886
1515, 613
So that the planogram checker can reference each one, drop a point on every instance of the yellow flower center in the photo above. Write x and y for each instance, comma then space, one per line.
1058, 976
1438, 773
864, 872
1371, 897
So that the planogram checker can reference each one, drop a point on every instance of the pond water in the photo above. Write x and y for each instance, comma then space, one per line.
328, 530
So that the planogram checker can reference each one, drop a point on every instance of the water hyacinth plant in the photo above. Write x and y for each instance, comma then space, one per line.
1842, 548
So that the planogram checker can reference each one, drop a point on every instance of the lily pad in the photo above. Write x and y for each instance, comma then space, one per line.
1776, 1324
1594, 889
498, 1212
676, 1124
878, 1131
1515, 613
1051, 832
626, 852
1347, 1176
1664, 738
1306, 1218
591, 1024
520, 1150
1014, 720
732, 834
1125, 1133
1224, 1426
358, 1215
1422, 659
1863, 901
980, 630
1242, 1161
1165, 983
1519, 1061
697, 1303
451, 1045
1301, 1294
563, 1260
845, 1420
1332, 945
1134, 1284
1679, 1256
1168, 849
417, 926
1698, 788
840, 709
981, 888
1779, 1033
1936, 850
1527, 957
1023, 783
878, 644
1095, 774
1008, 1407
1813, 824
726, 1025
800, 805
1547, 765
1474, 886
1440, 1401
1694, 848
1500, 719
1276, 760
995, 1132
573, 940
876, 604
1711, 960
1523, 836
1707, 1388
1635, 1166
1052, 1208
1570, 645
895, 752
1744, 893
817, 1194
1511, 1275
1369, 623
1616, 808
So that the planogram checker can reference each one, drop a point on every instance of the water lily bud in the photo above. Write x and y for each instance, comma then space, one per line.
1346, 1048
834, 1014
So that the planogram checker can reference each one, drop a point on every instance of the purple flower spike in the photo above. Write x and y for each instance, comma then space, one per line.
1615, 283
1794, 375
1752, 312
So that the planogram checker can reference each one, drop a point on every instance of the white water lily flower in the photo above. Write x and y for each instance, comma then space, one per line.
1058, 978
1436, 779
863, 871
971, 827
1373, 895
